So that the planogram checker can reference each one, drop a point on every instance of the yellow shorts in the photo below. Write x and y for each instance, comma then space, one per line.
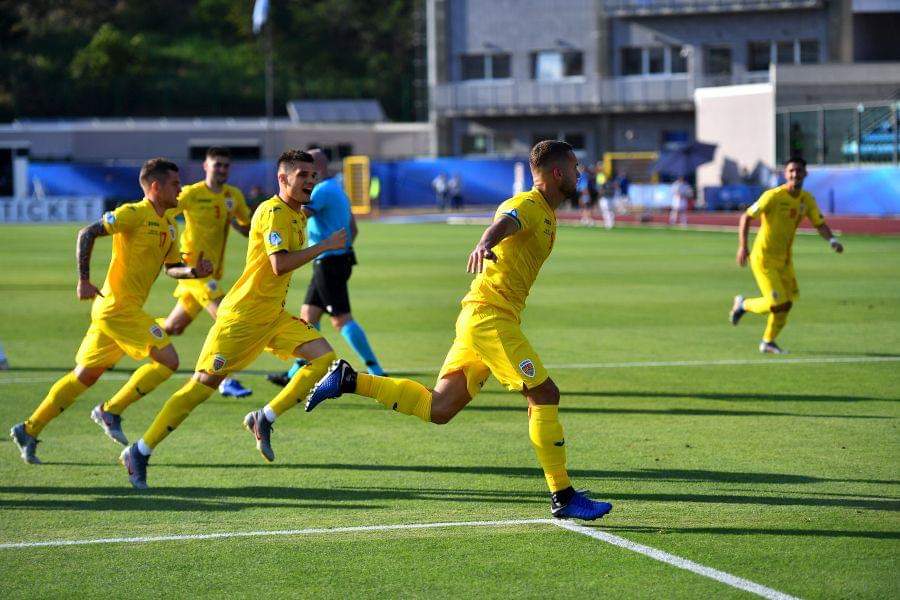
490, 341
196, 294
232, 345
131, 332
776, 280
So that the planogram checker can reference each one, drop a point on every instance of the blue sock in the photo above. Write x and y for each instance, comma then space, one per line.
356, 337
299, 363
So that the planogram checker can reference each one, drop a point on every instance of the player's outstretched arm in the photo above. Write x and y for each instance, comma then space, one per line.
83, 250
502, 228
180, 270
826, 233
743, 231
244, 230
285, 262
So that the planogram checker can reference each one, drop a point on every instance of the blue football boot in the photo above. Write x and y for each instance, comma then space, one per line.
26, 443
340, 379
136, 463
232, 387
569, 504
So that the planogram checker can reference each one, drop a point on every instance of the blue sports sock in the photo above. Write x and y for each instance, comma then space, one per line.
356, 337
299, 363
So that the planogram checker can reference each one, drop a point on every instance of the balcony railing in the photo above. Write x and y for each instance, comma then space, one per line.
510, 97
643, 8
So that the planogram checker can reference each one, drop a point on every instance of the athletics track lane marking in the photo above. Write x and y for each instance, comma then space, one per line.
659, 555
604, 365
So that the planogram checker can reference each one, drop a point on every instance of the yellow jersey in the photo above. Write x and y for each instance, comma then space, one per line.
781, 213
505, 283
207, 219
142, 242
259, 294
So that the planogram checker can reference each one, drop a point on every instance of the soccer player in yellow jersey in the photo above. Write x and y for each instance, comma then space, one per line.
210, 208
781, 210
489, 339
143, 238
252, 318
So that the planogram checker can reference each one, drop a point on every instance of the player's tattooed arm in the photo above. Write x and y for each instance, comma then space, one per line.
83, 250
180, 270
502, 228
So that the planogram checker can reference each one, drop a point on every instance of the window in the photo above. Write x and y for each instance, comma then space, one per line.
548, 65
679, 56
718, 60
500, 66
632, 61
657, 60
475, 144
576, 140
540, 137
758, 55
809, 52
784, 53
472, 66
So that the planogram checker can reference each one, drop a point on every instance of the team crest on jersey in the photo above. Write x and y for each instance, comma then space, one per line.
229, 203
218, 362
212, 285
274, 238
527, 367
109, 218
156, 331
172, 231
514, 213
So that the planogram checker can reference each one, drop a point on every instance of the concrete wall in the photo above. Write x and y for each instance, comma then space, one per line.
740, 120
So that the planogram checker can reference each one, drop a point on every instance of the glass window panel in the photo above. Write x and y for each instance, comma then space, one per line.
500, 66
631, 61
840, 136
803, 135
781, 141
876, 135
784, 53
574, 64
679, 59
718, 60
657, 62
809, 52
547, 66
541, 136
473, 66
758, 55
474, 144
576, 140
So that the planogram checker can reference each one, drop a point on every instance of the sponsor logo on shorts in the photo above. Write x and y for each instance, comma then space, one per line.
274, 238
219, 362
109, 218
527, 367
212, 285
156, 331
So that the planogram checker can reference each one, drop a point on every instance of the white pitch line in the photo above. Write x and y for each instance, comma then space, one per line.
600, 365
284, 532
676, 561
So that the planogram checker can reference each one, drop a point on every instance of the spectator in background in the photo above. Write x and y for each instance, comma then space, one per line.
256, 197
682, 192
584, 199
454, 191
607, 191
440, 184
622, 184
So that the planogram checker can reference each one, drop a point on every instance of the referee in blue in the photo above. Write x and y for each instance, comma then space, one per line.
327, 212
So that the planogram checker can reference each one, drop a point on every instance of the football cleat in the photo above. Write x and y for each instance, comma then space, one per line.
770, 348
110, 424
26, 443
280, 379
340, 379
577, 506
737, 310
232, 387
256, 423
136, 463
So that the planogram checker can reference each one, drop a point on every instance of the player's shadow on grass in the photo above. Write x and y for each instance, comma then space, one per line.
728, 397
876, 535
689, 412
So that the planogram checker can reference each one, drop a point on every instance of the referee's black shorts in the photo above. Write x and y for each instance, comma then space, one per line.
328, 286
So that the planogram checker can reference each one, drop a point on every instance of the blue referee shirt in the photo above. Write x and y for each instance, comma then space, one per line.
330, 209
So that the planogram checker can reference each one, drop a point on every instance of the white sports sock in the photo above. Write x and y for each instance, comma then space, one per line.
270, 414
144, 448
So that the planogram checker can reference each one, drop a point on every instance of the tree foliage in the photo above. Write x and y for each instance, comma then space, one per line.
199, 57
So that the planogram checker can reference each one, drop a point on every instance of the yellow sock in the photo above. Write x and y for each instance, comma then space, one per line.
142, 382
175, 410
60, 397
774, 325
403, 395
300, 384
760, 306
546, 435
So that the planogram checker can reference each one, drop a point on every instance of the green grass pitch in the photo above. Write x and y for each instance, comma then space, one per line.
785, 473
